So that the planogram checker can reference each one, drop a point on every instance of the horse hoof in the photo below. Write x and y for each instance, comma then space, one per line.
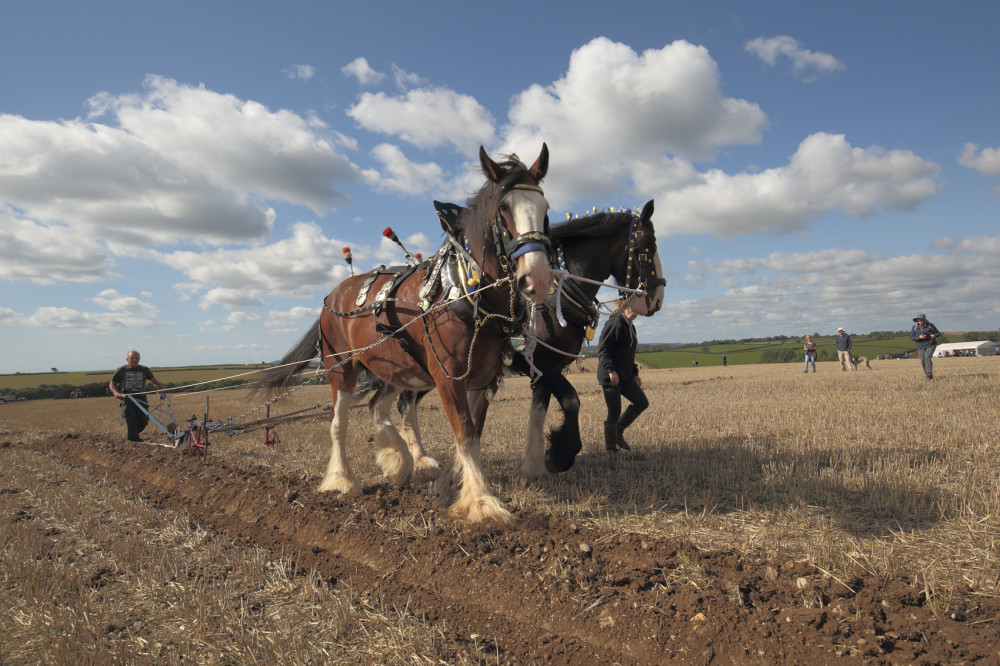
426, 464
340, 484
483, 510
557, 464
395, 467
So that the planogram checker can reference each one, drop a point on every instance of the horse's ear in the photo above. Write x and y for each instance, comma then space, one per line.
541, 165
490, 168
647, 211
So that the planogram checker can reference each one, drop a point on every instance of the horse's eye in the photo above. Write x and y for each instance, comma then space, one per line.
504, 208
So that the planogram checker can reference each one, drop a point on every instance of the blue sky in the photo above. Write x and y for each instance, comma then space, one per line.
181, 177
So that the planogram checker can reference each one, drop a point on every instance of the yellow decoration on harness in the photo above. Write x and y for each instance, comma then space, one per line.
473, 280
590, 333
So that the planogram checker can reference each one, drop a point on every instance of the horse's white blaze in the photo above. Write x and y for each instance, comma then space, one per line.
529, 210
339, 475
393, 456
534, 449
656, 298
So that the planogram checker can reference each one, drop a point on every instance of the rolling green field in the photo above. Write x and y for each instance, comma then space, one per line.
177, 376
751, 352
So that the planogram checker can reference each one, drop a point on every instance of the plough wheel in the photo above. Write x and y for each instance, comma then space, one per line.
197, 439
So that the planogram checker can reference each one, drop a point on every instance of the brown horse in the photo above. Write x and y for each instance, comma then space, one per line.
441, 325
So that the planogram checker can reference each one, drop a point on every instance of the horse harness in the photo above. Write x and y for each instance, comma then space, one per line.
453, 275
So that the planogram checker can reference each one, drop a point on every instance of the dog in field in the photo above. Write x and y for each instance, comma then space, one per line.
858, 360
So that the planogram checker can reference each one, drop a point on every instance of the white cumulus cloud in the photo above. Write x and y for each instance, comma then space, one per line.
46, 254
362, 71
427, 118
300, 72
825, 174
807, 65
986, 161
617, 115
175, 162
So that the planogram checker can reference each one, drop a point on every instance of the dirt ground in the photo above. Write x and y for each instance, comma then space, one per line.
544, 590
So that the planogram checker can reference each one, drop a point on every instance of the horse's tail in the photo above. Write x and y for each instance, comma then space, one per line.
294, 360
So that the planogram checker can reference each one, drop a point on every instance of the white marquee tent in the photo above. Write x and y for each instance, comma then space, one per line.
978, 348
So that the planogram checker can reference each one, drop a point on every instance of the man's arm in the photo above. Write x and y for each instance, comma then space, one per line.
156, 382
114, 389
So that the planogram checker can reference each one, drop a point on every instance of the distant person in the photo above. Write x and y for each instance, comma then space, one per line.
925, 334
131, 378
810, 349
844, 349
618, 375
723, 360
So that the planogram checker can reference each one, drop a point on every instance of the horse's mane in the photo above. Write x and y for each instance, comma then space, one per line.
597, 225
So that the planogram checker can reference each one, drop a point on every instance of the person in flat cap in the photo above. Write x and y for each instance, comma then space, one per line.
844, 349
926, 335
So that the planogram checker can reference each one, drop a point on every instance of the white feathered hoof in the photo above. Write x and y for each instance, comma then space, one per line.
396, 467
341, 484
483, 509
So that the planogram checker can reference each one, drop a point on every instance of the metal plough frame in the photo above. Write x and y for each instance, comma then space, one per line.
196, 435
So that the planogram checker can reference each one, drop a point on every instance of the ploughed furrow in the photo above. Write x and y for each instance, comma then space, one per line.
543, 590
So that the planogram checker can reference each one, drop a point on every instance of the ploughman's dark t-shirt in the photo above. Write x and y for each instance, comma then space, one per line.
132, 380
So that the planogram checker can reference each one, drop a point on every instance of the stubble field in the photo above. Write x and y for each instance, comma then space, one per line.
764, 516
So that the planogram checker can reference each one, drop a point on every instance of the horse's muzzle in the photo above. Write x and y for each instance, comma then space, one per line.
534, 277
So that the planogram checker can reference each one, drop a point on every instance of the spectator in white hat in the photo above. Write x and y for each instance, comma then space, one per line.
844, 349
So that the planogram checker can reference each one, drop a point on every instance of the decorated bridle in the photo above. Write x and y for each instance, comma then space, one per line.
642, 260
510, 248
531, 241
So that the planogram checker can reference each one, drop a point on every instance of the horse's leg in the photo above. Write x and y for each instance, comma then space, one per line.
393, 457
478, 406
475, 502
534, 448
564, 441
339, 475
410, 431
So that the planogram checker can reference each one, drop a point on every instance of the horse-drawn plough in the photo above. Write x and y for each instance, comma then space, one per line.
194, 437
454, 319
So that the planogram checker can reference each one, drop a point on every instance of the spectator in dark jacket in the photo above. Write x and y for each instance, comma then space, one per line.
618, 376
844, 349
925, 334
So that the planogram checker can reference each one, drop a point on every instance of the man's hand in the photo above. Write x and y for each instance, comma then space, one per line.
638, 381
614, 378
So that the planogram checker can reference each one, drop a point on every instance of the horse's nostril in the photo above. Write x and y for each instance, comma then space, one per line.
525, 286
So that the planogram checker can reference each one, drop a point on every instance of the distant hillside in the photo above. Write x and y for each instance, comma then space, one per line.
779, 349
93, 383
787, 350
